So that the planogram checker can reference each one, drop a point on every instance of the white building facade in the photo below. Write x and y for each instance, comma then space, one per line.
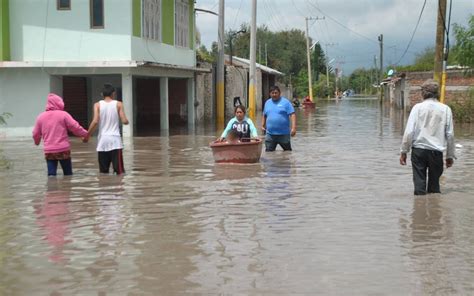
145, 48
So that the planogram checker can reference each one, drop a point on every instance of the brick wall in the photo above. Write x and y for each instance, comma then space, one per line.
457, 86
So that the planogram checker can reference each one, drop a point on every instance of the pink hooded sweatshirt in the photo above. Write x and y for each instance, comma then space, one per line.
53, 126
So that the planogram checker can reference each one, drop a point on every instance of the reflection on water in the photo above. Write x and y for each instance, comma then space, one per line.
334, 216
429, 238
52, 214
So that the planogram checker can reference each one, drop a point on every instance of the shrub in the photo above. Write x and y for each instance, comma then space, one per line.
464, 112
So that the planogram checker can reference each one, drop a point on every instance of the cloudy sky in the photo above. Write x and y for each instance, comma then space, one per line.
352, 26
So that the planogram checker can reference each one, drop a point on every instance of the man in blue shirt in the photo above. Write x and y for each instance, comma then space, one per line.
279, 121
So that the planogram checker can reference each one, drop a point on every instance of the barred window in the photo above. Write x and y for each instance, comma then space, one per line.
151, 16
182, 23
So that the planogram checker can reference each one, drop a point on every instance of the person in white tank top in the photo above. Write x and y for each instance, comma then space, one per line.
108, 113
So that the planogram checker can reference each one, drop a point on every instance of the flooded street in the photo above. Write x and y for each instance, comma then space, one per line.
335, 216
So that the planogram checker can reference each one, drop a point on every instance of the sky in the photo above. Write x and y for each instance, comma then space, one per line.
350, 28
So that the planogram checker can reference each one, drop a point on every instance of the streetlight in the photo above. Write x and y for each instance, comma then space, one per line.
231, 36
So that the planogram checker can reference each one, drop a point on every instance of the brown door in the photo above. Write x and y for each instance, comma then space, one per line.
75, 99
147, 92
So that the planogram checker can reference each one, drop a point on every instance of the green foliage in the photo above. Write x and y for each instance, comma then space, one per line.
463, 112
4, 163
463, 51
424, 61
318, 61
285, 51
203, 55
3, 117
362, 80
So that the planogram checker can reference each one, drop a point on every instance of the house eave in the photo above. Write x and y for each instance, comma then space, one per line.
97, 64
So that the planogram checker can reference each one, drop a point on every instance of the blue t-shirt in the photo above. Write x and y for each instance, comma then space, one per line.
278, 116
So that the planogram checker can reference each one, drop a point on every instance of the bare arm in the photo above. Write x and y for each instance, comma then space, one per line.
264, 124
121, 111
293, 124
95, 120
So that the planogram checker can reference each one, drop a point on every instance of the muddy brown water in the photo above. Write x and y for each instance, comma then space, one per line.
336, 216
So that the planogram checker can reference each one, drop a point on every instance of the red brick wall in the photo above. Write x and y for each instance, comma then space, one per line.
453, 78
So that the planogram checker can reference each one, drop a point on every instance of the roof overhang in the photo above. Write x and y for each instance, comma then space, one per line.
97, 64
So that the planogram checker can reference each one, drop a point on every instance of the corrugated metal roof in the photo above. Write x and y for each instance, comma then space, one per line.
246, 63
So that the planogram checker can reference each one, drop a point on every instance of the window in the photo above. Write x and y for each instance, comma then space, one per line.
151, 16
182, 23
97, 14
63, 4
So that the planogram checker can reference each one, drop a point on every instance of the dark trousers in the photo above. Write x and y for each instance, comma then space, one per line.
66, 165
271, 142
115, 157
423, 160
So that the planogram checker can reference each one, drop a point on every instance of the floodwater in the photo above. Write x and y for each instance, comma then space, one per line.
334, 217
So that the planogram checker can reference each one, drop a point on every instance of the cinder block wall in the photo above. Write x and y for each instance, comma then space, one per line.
457, 86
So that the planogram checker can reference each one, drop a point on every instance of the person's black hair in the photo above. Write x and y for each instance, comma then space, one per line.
272, 88
108, 90
241, 107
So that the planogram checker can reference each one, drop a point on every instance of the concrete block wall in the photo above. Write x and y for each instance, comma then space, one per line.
235, 86
205, 96
457, 86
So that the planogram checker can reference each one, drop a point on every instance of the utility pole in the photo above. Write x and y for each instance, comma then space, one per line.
381, 66
308, 55
438, 62
327, 66
231, 37
374, 71
440, 49
266, 55
220, 69
253, 53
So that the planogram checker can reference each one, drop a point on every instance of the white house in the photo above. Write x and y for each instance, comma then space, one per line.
145, 48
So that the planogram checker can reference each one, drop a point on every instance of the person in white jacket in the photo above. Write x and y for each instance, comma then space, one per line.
429, 133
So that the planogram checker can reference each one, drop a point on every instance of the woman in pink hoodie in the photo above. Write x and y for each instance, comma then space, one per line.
53, 126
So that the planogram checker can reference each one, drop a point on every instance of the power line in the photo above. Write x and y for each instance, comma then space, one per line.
237, 14
270, 19
339, 23
299, 11
274, 11
413, 34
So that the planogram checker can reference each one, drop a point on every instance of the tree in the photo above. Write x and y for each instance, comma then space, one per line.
424, 61
3, 118
286, 50
463, 51
361, 81
318, 61
203, 55
4, 163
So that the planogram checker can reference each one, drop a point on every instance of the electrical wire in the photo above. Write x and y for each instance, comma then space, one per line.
297, 9
339, 23
447, 31
237, 14
413, 34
